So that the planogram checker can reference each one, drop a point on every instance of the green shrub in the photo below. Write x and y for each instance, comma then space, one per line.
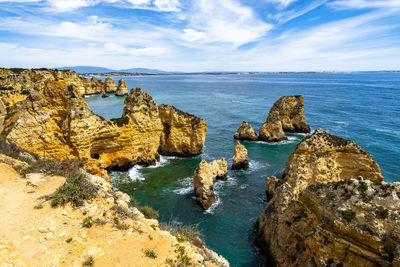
17, 70
182, 259
6, 88
25, 92
87, 222
116, 220
150, 253
363, 186
71, 91
132, 202
183, 232
149, 212
381, 213
121, 121
69, 240
89, 261
348, 215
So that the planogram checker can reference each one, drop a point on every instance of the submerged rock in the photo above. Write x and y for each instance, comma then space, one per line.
109, 85
245, 132
203, 180
104, 94
271, 130
122, 89
184, 134
240, 157
319, 214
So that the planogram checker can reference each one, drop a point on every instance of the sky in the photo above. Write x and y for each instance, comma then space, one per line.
202, 35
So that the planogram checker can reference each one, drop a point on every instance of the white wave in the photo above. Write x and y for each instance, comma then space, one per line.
387, 131
255, 165
214, 205
162, 162
291, 140
135, 175
187, 187
243, 186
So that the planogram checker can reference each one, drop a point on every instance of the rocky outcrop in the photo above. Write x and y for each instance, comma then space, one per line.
109, 85
203, 180
54, 121
286, 115
290, 113
245, 132
271, 130
122, 89
319, 215
184, 134
240, 157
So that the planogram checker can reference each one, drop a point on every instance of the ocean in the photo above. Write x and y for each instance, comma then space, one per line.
363, 107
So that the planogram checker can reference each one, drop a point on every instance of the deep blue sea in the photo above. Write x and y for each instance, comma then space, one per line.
363, 107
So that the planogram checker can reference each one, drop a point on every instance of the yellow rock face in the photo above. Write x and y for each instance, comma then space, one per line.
245, 132
319, 213
184, 134
239, 160
54, 121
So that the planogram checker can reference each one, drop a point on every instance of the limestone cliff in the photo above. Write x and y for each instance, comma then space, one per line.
184, 134
319, 215
239, 160
54, 121
122, 89
109, 85
290, 110
271, 130
203, 180
245, 132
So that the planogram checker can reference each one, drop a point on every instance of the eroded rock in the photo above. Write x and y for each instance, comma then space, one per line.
122, 89
109, 85
245, 132
203, 180
319, 214
271, 130
240, 157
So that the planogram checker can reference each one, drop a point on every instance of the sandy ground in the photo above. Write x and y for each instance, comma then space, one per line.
37, 237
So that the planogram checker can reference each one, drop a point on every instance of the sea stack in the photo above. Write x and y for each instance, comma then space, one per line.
203, 180
271, 130
240, 157
184, 134
245, 132
330, 208
109, 85
122, 89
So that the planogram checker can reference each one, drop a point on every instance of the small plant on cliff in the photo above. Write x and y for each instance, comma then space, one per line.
87, 222
71, 91
182, 259
381, 213
116, 220
150, 253
149, 212
363, 186
89, 261
25, 92
348, 215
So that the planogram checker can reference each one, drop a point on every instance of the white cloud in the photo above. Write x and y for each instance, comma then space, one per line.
360, 4
222, 21
287, 15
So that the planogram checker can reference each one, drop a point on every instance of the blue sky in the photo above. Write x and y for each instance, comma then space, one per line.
202, 35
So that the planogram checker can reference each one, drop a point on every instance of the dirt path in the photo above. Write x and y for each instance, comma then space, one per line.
39, 237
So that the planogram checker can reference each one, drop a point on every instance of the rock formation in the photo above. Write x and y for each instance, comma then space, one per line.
109, 85
184, 134
319, 215
271, 130
240, 157
54, 121
290, 110
286, 115
122, 89
245, 132
203, 180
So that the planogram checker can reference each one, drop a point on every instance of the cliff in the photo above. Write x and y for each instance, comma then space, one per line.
107, 230
54, 121
184, 134
286, 115
330, 208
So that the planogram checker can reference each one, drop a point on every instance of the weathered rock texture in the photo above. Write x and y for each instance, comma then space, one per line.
109, 85
54, 121
240, 157
286, 115
271, 130
184, 134
318, 215
203, 180
122, 89
245, 132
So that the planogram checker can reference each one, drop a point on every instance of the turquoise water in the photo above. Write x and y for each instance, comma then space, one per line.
363, 107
